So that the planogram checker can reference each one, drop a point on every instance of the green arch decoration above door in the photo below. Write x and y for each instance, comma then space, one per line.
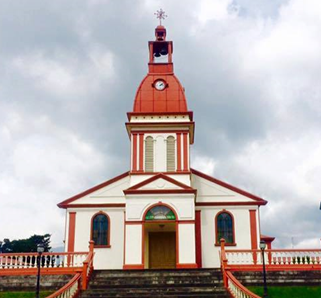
160, 213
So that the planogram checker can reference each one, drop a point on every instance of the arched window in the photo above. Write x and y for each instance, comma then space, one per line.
149, 154
160, 213
170, 152
100, 229
225, 227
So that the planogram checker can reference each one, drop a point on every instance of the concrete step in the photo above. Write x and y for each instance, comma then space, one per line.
200, 283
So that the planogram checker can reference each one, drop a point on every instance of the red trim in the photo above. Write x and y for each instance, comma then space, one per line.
108, 232
152, 131
141, 152
177, 243
218, 241
233, 188
253, 228
124, 252
65, 203
186, 266
190, 221
179, 153
139, 222
143, 245
133, 267
208, 204
198, 238
275, 267
134, 152
153, 124
185, 149
71, 233
133, 114
165, 173
159, 176
158, 191
111, 205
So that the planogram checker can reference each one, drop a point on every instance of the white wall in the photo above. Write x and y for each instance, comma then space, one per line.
105, 258
133, 249
186, 238
210, 252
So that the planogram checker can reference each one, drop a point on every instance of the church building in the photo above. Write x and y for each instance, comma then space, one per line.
161, 213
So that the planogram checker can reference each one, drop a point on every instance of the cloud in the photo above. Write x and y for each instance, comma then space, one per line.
252, 76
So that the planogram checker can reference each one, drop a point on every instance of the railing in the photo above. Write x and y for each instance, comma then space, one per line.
252, 260
88, 266
275, 259
70, 290
236, 289
47, 260
73, 287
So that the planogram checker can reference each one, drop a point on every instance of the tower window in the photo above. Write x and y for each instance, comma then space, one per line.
225, 227
100, 229
170, 154
149, 154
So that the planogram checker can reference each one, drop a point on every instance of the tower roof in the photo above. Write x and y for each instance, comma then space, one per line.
160, 91
171, 99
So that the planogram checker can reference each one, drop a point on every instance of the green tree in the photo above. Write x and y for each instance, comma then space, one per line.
25, 245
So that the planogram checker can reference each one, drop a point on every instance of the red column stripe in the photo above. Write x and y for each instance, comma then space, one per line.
141, 152
179, 152
253, 229
71, 232
198, 238
134, 153
185, 152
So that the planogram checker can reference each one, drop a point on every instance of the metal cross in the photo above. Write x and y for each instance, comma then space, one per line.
160, 14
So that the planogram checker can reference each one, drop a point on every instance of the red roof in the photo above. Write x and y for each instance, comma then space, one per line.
149, 99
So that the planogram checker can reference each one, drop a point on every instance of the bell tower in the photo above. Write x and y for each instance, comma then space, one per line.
160, 127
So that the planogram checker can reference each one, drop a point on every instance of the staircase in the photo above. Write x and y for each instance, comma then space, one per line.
192, 283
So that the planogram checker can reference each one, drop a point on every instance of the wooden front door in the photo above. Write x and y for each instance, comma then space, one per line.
162, 250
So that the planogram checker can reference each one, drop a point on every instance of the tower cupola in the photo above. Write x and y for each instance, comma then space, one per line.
160, 126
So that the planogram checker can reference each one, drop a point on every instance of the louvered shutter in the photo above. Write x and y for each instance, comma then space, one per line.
170, 154
149, 154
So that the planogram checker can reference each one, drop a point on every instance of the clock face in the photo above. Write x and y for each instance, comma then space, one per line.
160, 85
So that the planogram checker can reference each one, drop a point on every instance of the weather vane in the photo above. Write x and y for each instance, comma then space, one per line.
160, 14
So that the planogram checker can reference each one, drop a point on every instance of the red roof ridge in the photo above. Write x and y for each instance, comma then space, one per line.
229, 186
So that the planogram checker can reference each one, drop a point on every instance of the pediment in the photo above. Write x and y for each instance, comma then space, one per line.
159, 183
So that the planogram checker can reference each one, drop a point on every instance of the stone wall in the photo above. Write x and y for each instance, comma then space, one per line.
280, 278
28, 282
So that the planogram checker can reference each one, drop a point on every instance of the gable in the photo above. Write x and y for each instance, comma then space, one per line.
212, 190
110, 191
160, 183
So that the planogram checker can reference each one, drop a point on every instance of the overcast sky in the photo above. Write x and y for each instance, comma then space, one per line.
68, 75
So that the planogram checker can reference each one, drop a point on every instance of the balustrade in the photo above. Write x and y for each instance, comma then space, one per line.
279, 257
47, 260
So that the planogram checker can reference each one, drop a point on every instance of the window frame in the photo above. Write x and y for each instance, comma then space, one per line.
108, 230
217, 241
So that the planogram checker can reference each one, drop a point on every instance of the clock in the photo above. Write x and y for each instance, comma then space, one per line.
159, 85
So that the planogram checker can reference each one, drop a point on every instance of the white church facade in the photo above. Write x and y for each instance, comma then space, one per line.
161, 213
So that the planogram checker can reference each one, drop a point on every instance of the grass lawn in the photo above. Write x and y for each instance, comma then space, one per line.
23, 294
288, 292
